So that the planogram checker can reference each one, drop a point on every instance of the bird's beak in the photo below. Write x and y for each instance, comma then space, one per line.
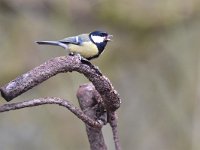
109, 38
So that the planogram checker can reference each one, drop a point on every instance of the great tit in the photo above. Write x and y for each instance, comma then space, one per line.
89, 46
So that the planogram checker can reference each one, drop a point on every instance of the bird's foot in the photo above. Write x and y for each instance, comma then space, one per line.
85, 61
79, 56
71, 54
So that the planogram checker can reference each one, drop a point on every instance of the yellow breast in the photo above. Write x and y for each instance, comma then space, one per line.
87, 49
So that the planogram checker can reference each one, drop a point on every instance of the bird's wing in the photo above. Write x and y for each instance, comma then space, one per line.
78, 40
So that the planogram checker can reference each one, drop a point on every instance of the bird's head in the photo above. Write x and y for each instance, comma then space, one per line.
100, 39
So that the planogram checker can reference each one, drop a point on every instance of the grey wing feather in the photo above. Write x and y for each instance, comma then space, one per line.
68, 40
78, 40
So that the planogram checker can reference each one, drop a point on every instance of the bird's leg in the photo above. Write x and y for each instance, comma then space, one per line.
85, 61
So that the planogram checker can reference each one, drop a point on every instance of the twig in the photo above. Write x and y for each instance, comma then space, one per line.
52, 100
113, 124
59, 65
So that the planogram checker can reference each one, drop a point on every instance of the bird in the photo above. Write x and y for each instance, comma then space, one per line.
88, 45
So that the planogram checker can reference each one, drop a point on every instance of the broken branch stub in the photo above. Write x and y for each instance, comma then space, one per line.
88, 101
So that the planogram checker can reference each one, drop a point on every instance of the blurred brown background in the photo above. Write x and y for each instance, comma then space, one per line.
153, 62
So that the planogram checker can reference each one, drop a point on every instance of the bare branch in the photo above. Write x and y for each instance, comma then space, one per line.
89, 100
52, 100
59, 65
113, 124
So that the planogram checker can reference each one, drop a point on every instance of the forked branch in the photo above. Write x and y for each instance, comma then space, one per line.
109, 97
52, 100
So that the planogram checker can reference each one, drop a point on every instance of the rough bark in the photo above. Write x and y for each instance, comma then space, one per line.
88, 100
98, 100
59, 65
52, 100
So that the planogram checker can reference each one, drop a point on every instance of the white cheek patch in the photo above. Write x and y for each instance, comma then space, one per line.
97, 39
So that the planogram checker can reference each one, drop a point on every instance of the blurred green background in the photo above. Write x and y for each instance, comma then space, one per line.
153, 63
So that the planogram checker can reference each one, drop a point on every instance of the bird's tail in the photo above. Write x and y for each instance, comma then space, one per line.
55, 43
